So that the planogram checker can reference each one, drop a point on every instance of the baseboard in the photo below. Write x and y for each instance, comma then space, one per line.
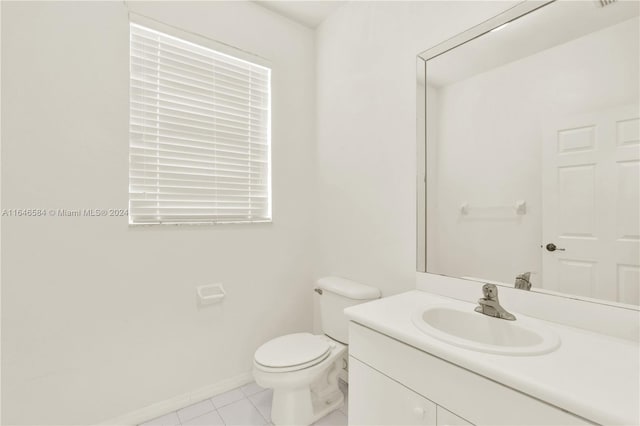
163, 407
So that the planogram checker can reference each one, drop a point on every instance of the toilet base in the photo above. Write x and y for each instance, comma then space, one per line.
300, 408
304, 396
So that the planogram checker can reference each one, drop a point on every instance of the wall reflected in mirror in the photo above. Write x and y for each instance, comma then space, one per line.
533, 153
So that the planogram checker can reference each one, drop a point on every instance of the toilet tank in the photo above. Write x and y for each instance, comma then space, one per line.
337, 294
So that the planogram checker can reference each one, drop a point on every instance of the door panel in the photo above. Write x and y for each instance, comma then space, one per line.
629, 283
574, 140
591, 205
576, 201
628, 208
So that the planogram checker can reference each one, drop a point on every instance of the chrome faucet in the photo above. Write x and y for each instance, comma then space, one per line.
490, 305
523, 281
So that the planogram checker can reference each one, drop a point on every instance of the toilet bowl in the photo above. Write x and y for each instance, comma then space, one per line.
305, 386
302, 368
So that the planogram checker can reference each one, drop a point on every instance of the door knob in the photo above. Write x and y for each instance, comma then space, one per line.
553, 247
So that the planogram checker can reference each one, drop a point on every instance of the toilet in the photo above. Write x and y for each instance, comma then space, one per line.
302, 368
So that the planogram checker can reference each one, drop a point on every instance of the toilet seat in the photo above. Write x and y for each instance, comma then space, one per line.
292, 352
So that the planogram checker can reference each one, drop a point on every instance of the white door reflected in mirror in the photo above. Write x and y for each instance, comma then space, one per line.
591, 205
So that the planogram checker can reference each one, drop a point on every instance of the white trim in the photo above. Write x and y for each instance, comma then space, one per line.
172, 404
516, 12
0, 210
201, 40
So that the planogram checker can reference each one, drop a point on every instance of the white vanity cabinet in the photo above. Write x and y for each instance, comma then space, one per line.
392, 383
447, 418
375, 399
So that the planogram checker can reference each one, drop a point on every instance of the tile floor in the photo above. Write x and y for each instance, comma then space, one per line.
249, 405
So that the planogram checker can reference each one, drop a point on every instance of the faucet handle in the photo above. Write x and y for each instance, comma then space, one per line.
523, 281
490, 291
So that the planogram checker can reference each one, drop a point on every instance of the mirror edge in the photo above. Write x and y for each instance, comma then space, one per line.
518, 11
421, 166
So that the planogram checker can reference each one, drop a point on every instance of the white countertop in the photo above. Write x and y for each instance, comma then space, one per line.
591, 375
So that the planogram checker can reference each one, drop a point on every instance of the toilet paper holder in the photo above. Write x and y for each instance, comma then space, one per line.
210, 293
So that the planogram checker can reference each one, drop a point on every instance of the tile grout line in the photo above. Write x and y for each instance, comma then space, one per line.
256, 407
217, 411
200, 415
220, 415
204, 414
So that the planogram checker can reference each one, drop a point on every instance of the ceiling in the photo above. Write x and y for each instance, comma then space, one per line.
307, 13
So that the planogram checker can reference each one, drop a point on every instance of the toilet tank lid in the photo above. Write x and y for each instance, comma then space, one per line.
349, 289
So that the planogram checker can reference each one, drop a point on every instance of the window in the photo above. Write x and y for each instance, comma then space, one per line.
199, 137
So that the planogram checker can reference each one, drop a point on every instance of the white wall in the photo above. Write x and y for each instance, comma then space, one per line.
99, 318
489, 147
0, 210
366, 220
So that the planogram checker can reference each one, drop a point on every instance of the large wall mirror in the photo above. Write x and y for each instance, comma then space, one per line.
529, 150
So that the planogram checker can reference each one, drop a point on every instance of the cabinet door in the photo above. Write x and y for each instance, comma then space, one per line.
447, 418
375, 399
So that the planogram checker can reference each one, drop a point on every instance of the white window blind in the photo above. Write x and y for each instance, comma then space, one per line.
199, 133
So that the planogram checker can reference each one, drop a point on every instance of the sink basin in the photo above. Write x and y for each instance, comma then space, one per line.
468, 329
